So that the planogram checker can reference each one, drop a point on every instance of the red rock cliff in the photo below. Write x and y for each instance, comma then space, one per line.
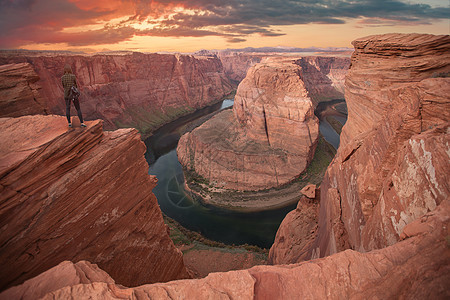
392, 166
237, 64
139, 90
19, 93
270, 137
79, 194
418, 267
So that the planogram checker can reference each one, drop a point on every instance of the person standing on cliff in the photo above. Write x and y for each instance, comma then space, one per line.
68, 81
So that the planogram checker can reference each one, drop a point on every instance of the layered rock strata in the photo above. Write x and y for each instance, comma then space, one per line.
392, 166
296, 233
270, 136
79, 194
19, 91
237, 64
418, 267
134, 90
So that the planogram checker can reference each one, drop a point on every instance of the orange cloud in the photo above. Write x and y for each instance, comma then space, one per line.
87, 22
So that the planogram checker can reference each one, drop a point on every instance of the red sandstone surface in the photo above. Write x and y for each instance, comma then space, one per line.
392, 166
417, 267
19, 91
296, 233
385, 195
138, 90
79, 194
237, 64
393, 163
270, 137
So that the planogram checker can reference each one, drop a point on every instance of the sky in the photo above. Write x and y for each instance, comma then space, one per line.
191, 25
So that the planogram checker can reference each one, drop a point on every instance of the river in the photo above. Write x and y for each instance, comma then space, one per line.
221, 225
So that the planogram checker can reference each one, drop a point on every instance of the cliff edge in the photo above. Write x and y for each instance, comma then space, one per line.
418, 267
79, 194
392, 166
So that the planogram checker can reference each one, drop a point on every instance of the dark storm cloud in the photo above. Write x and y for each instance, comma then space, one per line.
282, 12
259, 15
25, 21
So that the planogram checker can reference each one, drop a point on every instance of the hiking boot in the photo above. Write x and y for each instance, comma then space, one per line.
83, 125
70, 125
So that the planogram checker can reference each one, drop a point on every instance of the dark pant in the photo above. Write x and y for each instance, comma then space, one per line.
76, 103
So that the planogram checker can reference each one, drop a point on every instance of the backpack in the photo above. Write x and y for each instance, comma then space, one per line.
74, 93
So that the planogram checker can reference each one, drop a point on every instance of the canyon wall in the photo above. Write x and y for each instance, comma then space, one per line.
406, 152
79, 194
392, 166
237, 64
133, 90
417, 267
19, 93
270, 136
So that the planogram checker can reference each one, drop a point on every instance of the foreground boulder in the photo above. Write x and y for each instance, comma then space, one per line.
418, 267
79, 194
270, 136
392, 166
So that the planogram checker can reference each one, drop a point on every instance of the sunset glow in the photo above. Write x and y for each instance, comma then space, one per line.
187, 26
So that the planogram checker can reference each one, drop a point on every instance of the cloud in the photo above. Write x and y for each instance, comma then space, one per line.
47, 21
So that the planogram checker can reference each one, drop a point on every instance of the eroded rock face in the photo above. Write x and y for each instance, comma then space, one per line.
296, 233
58, 277
138, 90
236, 64
392, 165
79, 194
19, 93
270, 136
418, 267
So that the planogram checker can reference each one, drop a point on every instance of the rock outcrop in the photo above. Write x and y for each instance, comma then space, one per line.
79, 194
64, 274
418, 267
134, 90
19, 93
392, 166
270, 137
296, 233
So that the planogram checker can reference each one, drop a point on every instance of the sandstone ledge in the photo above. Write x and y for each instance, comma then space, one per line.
74, 194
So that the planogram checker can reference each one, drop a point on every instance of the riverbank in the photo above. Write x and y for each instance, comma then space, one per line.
158, 120
270, 199
203, 256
